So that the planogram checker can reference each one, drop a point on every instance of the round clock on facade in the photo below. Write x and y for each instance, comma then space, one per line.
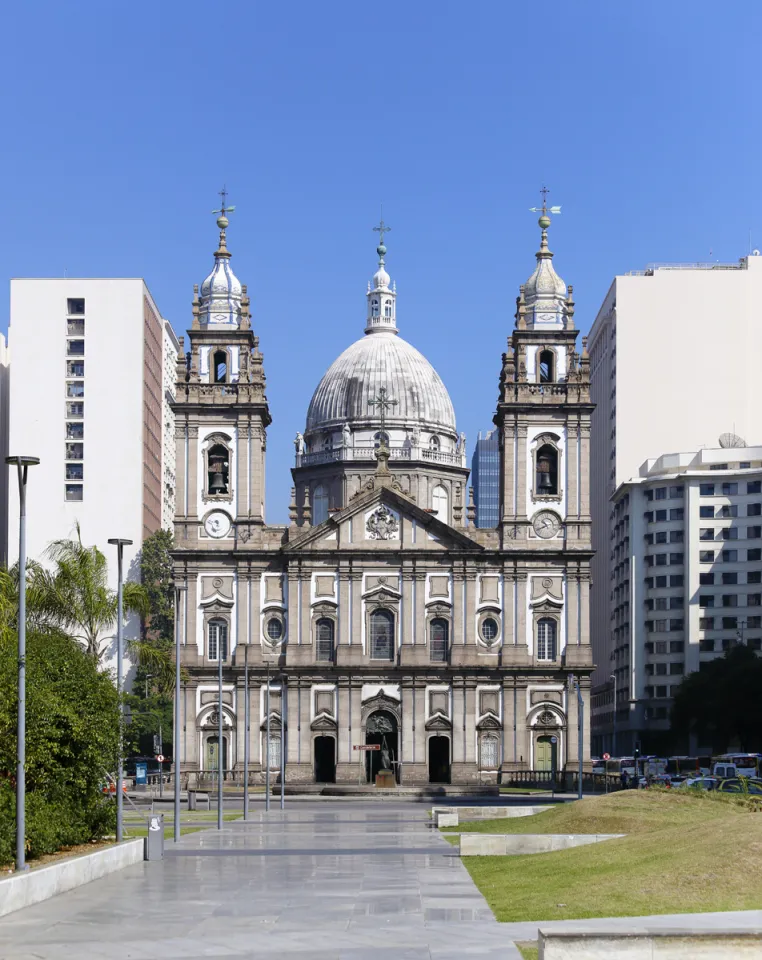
546, 524
217, 524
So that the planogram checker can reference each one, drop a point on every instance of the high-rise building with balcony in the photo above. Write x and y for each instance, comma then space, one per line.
485, 479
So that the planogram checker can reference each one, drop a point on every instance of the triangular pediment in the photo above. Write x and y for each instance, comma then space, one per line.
438, 721
383, 505
323, 722
488, 722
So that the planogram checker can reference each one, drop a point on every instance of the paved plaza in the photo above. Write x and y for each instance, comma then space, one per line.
338, 881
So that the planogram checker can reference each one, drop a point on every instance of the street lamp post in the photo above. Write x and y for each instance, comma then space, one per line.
613, 746
22, 465
120, 544
574, 683
179, 593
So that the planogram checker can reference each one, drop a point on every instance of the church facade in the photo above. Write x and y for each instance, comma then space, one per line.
380, 615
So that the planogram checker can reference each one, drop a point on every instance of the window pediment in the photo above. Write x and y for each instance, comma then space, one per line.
488, 722
323, 722
438, 722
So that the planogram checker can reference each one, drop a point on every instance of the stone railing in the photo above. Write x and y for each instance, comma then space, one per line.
368, 453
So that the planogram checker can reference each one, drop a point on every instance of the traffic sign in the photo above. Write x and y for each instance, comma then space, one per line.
606, 756
160, 758
367, 746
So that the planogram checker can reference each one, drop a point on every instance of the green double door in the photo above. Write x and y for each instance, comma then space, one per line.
545, 754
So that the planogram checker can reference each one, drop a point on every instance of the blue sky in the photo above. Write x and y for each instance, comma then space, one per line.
123, 120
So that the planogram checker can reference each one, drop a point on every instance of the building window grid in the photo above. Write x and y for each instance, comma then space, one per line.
74, 427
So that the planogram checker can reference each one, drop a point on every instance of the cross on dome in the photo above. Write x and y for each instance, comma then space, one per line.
382, 308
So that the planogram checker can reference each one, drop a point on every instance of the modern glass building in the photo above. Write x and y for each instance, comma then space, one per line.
485, 478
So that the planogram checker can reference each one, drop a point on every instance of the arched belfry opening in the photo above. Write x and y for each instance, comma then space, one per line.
219, 470
547, 471
547, 366
220, 366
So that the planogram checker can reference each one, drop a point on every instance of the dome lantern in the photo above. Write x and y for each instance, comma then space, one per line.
221, 293
382, 298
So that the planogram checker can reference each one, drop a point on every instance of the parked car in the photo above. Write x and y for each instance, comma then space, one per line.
701, 783
751, 785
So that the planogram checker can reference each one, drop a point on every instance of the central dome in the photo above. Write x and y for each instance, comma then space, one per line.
381, 360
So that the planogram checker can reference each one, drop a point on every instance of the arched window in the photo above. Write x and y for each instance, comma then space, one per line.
382, 635
218, 470
319, 505
434, 444
488, 752
324, 640
273, 753
440, 503
374, 307
547, 366
547, 471
546, 639
388, 309
220, 367
328, 442
490, 629
438, 640
378, 437
217, 632
274, 629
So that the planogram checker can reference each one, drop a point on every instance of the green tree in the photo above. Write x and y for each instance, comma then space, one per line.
75, 596
721, 704
71, 743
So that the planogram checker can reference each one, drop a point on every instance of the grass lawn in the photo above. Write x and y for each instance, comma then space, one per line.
528, 951
137, 826
522, 791
684, 853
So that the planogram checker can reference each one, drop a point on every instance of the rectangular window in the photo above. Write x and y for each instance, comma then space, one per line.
660, 626
661, 537
75, 410
73, 491
728, 510
661, 581
273, 753
676, 513
676, 668
754, 509
729, 600
661, 646
649, 538
754, 622
661, 559
754, 554
661, 693
676, 536
730, 578
75, 471
676, 603
706, 578
675, 493
706, 489
706, 512
661, 493
706, 600
676, 580
706, 645
381, 635
661, 515
75, 328
706, 556
649, 494
218, 639
744, 465
75, 305
75, 431
676, 646
677, 624
753, 533
74, 451
754, 599
676, 558
75, 348
75, 389
718, 466
661, 669
75, 368
754, 486
661, 603
706, 533
729, 489
648, 516
324, 640
730, 623
754, 576
706, 623
649, 560
731, 533
730, 556
488, 752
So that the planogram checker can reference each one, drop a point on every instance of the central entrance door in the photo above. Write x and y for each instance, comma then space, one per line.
545, 754
381, 729
439, 759
212, 754
325, 760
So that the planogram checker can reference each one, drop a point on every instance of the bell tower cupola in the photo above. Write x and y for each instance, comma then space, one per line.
382, 293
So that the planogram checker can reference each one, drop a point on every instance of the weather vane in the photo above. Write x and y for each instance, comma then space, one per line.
223, 208
544, 210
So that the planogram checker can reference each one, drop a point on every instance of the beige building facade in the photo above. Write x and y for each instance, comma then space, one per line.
381, 615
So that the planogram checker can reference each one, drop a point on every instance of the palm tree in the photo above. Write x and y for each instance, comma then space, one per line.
75, 595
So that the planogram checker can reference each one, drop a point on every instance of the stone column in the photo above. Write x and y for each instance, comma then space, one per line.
509, 468
292, 579
355, 635
509, 638
458, 626
420, 609
584, 583
181, 507
256, 493
521, 618
470, 608
522, 737
407, 630
522, 468
255, 629
572, 621
241, 614
191, 639
572, 474
193, 479
344, 632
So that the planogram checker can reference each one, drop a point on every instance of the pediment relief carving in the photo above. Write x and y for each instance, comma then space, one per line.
437, 608
547, 586
547, 606
380, 702
323, 722
381, 596
327, 607
390, 582
489, 722
438, 722
216, 586
543, 696
216, 605
274, 722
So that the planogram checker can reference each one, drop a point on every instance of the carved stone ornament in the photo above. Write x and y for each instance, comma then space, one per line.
547, 719
378, 723
382, 524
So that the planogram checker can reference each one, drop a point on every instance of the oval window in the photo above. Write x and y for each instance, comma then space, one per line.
490, 629
274, 629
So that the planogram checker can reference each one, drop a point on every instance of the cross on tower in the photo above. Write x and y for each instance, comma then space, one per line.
223, 207
383, 403
382, 229
544, 210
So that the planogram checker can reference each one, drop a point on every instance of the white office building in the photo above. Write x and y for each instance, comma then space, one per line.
674, 355
686, 582
93, 369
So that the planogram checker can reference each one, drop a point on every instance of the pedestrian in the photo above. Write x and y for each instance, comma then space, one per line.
623, 778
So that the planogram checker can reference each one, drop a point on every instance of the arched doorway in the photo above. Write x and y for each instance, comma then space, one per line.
439, 759
546, 754
381, 729
212, 759
325, 760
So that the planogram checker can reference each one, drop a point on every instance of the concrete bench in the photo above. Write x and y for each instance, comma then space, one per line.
198, 796
502, 845
446, 819
644, 944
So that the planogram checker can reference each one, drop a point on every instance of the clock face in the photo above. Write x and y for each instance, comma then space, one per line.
217, 524
546, 524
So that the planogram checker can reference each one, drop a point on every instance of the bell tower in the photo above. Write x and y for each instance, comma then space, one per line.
221, 412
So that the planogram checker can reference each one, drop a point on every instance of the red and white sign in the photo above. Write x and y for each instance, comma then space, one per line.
367, 746
160, 758
606, 756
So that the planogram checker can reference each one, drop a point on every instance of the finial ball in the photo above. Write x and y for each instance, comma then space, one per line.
222, 222
544, 221
381, 249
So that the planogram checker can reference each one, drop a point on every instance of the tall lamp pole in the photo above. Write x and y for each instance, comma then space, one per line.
613, 745
176, 734
574, 684
22, 465
120, 544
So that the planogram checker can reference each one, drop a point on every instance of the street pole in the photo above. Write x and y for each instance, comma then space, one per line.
246, 733
613, 747
120, 544
220, 758
282, 741
161, 764
176, 733
22, 464
267, 749
574, 683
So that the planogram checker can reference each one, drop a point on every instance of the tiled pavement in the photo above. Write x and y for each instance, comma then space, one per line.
351, 881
